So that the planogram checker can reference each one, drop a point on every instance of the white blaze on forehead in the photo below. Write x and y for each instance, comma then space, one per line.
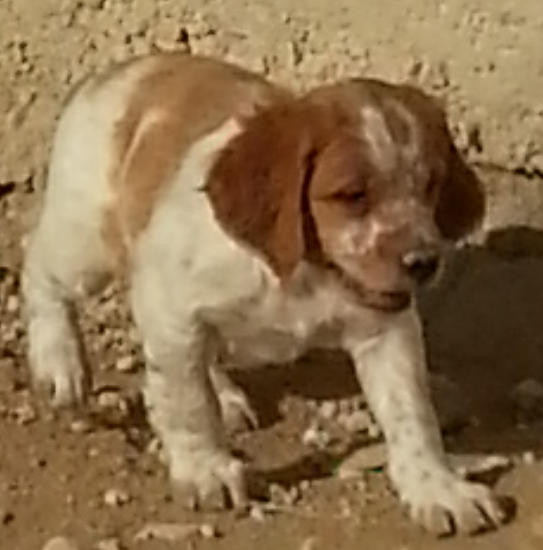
388, 152
412, 147
377, 134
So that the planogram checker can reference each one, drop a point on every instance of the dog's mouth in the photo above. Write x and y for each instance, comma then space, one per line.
391, 301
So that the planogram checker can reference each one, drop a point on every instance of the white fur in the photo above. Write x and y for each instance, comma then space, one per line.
65, 255
381, 142
411, 150
392, 370
199, 298
377, 135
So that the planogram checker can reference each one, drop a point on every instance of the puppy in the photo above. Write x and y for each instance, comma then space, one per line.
253, 225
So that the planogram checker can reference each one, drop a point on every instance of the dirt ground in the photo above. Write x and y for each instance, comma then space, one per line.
99, 481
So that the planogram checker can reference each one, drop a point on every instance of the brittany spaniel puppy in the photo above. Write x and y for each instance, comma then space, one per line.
255, 224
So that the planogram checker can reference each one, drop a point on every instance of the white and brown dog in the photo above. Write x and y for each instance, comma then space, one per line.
255, 224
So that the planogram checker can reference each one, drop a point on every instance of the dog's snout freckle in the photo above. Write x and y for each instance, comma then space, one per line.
421, 265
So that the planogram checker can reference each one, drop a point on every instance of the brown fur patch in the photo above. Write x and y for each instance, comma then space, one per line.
461, 204
258, 186
180, 100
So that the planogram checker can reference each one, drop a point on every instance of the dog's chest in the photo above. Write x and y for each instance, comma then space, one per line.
277, 327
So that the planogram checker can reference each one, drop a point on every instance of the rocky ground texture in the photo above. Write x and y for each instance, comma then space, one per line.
95, 482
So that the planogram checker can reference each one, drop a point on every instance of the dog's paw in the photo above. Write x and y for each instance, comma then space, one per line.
445, 504
63, 385
212, 480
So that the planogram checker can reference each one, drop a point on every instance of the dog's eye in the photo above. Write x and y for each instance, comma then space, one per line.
354, 196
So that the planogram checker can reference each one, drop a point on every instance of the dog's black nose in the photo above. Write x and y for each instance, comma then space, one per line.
421, 265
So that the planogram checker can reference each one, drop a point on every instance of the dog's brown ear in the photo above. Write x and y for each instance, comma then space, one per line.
258, 185
461, 203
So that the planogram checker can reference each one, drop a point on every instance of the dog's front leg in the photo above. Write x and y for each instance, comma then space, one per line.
184, 410
182, 404
391, 368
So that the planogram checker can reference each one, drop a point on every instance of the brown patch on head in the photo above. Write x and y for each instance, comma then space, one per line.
257, 186
178, 100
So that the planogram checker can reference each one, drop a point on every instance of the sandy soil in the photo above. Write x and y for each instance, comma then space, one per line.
99, 481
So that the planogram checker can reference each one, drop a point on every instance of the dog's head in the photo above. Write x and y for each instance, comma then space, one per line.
361, 178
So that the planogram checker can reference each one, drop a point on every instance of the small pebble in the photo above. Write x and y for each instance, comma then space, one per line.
24, 414
374, 430
529, 458
10, 333
208, 531
126, 364
363, 460
80, 426
316, 437
258, 513
346, 406
309, 544
12, 304
61, 543
110, 399
109, 544
282, 496
328, 409
168, 532
154, 446
38, 462
305, 485
358, 421
345, 508
93, 452
116, 497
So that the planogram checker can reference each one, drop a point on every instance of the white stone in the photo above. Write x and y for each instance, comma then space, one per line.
316, 437
363, 460
126, 364
116, 497
168, 532
61, 543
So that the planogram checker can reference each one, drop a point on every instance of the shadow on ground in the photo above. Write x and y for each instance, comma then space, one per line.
484, 328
